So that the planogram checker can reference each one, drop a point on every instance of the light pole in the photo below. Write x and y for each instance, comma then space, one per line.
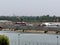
18, 38
57, 40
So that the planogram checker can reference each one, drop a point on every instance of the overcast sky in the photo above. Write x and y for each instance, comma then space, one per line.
30, 7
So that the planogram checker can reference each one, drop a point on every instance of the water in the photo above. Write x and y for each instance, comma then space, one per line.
17, 38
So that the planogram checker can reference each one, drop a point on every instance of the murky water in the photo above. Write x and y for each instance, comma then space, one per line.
16, 38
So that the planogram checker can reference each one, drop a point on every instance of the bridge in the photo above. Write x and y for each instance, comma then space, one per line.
33, 29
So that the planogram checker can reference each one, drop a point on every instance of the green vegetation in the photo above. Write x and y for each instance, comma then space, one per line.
4, 40
44, 18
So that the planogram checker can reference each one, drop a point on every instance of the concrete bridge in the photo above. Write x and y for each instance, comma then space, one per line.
36, 29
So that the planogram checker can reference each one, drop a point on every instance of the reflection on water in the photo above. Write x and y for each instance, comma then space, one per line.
31, 39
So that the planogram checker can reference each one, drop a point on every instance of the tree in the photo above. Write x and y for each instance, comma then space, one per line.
4, 40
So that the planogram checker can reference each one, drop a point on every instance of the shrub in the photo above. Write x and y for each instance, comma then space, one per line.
4, 40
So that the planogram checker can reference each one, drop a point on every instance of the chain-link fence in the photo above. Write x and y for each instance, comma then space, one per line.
16, 38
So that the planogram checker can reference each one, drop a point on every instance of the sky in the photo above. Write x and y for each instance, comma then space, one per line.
29, 7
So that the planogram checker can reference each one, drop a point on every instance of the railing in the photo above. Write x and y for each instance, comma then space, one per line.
17, 38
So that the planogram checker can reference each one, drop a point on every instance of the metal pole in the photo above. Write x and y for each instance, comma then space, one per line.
19, 39
57, 40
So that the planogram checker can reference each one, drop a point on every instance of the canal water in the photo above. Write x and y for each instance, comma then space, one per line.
16, 38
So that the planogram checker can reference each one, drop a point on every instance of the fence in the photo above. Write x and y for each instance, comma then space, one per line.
17, 38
